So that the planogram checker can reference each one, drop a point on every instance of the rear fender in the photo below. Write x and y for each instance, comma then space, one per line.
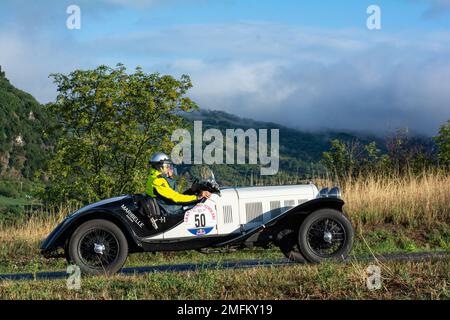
61, 234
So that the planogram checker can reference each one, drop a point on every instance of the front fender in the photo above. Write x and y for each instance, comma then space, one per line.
306, 208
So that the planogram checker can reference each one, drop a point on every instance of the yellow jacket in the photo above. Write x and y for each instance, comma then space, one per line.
157, 185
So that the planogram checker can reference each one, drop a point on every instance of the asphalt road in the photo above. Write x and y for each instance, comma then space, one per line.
229, 265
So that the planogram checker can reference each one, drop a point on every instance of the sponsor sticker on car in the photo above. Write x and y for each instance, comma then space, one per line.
200, 220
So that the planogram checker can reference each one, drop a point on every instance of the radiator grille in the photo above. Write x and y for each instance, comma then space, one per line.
254, 212
289, 203
300, 201
227, 214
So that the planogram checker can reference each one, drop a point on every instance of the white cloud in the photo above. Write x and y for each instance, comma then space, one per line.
302, 77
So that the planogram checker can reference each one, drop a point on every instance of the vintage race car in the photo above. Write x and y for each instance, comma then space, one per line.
307, 225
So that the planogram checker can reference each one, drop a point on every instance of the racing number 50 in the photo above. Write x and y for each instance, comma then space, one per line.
200, 220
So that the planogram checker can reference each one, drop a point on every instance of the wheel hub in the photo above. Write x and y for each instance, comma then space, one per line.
99, 248
327, 236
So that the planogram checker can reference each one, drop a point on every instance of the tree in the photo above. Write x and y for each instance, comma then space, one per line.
409, 153
348, 159
109, 123
343, 158
443, 142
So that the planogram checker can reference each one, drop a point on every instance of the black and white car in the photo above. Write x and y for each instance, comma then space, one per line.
307, 226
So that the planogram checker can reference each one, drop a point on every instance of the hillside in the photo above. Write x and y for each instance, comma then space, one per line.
22, 145
302, 145
300, 151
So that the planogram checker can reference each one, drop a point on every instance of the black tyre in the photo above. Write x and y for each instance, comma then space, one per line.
98, 247
289, 246
324, 235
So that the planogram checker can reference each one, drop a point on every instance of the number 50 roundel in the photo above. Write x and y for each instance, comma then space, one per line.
200, 220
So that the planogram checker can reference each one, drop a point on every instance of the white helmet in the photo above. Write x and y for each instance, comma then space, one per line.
160, 161
159, 158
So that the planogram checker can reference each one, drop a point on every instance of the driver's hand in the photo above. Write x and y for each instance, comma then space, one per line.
204, 194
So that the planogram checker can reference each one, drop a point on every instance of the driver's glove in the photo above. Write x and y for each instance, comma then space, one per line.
204, 194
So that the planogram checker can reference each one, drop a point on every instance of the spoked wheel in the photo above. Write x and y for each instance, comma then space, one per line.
325, 234
326, 237
98, 247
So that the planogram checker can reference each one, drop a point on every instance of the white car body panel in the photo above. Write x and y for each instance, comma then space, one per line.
240, 209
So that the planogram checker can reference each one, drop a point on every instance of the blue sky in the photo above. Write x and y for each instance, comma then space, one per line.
306, 64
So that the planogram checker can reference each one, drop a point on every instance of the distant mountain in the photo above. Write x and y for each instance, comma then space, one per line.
303, 145
300, 151
23, 149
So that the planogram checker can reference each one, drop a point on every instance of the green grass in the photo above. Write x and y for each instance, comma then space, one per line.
13, 210
406, 280
23, 256
7, 202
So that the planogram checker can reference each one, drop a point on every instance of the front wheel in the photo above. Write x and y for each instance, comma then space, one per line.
325, 234
98, 247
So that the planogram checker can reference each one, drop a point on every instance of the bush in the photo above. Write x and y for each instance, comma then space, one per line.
9, 191
11, 214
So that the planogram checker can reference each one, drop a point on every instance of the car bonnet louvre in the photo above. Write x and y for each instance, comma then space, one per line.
254, 212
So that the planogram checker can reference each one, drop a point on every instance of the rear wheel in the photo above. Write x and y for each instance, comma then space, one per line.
325, 234
98, 247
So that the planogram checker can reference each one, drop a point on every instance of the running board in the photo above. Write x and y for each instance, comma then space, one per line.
241, 237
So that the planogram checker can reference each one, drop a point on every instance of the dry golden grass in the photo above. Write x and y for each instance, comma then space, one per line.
34, 229
407, 200
370, 201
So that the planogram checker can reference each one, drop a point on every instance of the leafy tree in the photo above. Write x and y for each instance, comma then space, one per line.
344, 157
443, 143
405, 155
409, 154
348, 159
373, 161
109, 123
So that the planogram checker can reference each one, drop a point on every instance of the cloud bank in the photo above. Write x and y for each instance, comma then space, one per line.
308, 78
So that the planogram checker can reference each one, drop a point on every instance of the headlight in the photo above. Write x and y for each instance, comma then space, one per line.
334, 192
323, 193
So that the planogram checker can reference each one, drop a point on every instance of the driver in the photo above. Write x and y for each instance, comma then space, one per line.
162, 186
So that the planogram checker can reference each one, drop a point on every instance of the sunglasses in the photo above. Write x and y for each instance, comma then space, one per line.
170, 167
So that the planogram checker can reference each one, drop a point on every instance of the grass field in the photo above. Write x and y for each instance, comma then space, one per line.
394, 214
420, 280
